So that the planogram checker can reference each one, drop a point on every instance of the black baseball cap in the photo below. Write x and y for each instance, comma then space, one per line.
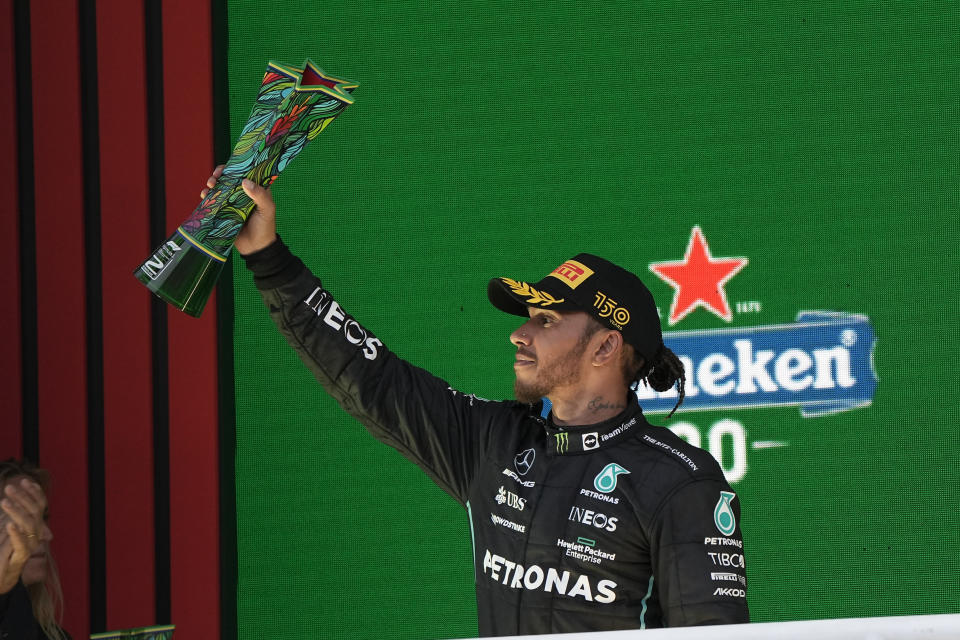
611, 294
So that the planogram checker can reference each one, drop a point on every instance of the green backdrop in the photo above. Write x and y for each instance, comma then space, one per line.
818, 140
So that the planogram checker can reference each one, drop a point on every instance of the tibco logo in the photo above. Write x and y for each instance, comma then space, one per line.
727, 559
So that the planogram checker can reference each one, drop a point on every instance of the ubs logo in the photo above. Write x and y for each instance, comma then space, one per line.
511, 499
524, 461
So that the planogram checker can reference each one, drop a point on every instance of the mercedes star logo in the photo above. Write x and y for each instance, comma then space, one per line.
524, 461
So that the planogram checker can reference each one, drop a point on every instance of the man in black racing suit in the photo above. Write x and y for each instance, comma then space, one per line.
583, 515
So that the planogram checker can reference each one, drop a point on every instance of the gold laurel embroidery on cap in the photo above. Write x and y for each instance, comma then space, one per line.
533, 296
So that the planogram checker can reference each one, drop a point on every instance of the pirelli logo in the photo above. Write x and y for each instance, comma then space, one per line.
572, 273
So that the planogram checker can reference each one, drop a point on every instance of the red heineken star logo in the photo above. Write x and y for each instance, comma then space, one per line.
698, 279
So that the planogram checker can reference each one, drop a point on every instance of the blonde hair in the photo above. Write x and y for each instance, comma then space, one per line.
47, 596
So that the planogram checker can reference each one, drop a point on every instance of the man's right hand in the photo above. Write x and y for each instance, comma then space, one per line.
260, 229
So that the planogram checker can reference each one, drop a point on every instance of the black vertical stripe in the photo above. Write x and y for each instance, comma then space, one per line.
226, 409
153, 14
29, 366
89, 115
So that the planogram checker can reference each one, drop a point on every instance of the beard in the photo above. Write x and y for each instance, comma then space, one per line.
562, 370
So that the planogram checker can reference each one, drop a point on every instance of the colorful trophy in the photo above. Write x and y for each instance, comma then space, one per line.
292, 108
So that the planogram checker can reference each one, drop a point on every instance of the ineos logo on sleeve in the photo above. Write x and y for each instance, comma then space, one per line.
336, 318
524, 461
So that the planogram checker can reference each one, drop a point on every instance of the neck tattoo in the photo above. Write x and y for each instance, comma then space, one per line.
598, 404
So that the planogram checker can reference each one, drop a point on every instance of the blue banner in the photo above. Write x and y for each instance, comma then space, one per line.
822, 363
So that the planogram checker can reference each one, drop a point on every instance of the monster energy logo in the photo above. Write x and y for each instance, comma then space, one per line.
563, 441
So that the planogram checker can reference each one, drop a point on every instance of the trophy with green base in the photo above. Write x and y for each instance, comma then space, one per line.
293, 106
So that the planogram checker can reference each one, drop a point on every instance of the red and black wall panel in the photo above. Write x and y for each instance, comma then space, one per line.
127, 358
112, 114
11, 435
60, 263
194, 454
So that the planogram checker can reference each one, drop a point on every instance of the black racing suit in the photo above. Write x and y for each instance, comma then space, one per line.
617, 525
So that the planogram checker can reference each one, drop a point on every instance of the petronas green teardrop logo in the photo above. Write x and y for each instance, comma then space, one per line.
723, 515
606, 480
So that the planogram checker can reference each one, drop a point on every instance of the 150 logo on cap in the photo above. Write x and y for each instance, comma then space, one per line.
572, 273
608, 309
